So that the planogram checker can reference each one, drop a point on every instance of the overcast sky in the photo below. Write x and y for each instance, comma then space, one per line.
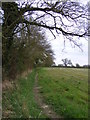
74, 54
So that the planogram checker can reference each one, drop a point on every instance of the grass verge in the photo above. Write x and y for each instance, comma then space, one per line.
19, 102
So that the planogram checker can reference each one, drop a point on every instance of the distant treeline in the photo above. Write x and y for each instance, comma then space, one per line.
61, 66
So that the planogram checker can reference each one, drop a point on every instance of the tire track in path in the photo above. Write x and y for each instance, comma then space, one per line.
46, 109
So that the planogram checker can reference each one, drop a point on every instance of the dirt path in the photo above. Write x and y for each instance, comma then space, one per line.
46, 109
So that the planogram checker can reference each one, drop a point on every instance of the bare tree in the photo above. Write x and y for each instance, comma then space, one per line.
67, 62
66, 17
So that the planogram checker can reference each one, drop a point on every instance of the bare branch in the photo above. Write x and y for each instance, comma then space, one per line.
68, 17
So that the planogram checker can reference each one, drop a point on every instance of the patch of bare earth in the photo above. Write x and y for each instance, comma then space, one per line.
46, 109
7, 85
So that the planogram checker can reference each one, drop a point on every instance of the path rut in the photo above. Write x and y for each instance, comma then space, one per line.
46, 109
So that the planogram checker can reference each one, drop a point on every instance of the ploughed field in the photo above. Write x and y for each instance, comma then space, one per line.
66, 90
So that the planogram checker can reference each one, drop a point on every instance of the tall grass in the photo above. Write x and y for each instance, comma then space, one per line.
19, 102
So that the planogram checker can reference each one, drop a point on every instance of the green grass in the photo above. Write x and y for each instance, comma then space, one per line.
66, 90
19, 102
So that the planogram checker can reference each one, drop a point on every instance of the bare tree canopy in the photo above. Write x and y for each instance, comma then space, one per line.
64, 16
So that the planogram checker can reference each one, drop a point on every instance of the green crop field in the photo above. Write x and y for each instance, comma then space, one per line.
66, 90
